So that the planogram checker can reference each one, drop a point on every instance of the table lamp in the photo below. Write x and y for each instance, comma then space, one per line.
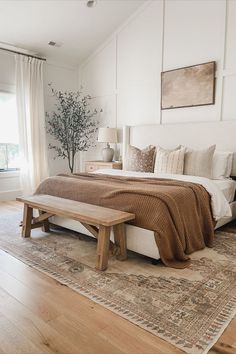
107, 135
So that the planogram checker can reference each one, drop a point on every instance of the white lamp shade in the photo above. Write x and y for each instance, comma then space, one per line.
107, 135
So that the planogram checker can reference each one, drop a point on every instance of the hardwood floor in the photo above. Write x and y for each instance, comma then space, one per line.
39, 315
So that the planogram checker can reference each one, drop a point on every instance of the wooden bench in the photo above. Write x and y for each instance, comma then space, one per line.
96, 219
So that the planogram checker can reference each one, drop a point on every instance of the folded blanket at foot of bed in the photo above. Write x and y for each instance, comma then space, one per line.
178, 212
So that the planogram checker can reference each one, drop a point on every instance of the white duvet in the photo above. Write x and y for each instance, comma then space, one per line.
219, 204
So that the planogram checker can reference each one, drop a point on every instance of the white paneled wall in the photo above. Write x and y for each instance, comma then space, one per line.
230, 48
99, 75
194, 33
139, 63
125, 73
98, 79
229, 74
141, 37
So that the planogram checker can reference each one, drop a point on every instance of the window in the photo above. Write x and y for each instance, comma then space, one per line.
9, 141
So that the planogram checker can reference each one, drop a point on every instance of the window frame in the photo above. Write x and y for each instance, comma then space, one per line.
10, 172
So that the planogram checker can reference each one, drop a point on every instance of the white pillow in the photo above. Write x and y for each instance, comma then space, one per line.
199, 162
169, 161
222, 164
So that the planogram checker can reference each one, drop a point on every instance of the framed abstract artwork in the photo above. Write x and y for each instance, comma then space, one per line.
189, 86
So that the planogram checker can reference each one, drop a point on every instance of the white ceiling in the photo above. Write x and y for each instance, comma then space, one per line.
32, 24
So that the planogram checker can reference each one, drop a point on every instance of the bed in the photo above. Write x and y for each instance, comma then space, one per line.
195, 135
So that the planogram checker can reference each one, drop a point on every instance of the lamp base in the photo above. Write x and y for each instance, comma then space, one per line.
107, 154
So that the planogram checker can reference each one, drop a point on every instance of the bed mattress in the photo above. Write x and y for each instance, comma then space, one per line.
178, 212
141, 240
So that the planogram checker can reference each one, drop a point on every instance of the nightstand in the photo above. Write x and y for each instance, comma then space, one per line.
91, 166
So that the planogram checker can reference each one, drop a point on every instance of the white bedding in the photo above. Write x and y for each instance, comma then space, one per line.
228, 187
220, 205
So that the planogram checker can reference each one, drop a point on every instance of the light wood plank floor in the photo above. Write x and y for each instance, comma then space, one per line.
39, 315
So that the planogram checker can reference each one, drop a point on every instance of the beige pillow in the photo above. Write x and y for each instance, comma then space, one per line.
140, 160
199, 162
170, 161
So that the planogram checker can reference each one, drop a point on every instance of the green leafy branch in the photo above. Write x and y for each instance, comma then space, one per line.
72, 124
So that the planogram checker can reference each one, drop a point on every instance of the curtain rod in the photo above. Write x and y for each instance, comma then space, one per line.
27, 55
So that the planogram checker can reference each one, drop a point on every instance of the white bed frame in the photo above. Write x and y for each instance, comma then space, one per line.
194, 135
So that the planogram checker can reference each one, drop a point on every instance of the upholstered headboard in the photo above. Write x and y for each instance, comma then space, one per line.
193, 135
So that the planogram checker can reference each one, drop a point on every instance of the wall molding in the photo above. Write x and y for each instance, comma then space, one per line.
162, 37
115, 34
162, 50
220, 76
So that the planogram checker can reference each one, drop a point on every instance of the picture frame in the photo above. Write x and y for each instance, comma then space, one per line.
188, 86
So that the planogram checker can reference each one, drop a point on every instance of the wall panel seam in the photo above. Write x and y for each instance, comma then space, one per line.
224, 49
162, 54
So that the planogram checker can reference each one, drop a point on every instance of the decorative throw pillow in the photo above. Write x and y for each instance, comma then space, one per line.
222, 164
170, 161
140, 160
199, 162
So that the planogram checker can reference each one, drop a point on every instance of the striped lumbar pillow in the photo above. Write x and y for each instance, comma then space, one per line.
199, 162
170, 161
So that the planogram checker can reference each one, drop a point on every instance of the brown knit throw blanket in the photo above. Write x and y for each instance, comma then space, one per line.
178, 212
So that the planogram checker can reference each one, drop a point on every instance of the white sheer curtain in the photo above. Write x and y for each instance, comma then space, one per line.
31, 118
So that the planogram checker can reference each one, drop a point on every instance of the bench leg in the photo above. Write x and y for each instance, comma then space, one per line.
27, 219
120, 241
103, 247
45, 226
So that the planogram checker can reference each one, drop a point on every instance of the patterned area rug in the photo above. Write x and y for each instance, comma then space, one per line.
189, 308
